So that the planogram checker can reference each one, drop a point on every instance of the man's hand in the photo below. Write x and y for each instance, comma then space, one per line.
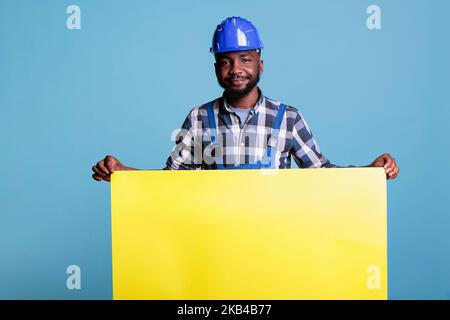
388, 163
104, 168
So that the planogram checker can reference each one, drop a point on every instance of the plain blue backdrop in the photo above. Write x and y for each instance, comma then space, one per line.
127, 79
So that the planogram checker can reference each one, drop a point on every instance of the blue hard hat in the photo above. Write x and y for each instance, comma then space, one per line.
235, 34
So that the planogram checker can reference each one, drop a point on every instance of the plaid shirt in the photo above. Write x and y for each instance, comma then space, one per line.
245, 143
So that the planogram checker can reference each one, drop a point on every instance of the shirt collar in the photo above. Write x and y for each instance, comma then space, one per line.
260, 104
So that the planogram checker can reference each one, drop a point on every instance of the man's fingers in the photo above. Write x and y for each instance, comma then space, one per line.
100, 178
387, 160
101, 166
393, 164
98, 172
389, 163
393, 174
104, 168
110, 163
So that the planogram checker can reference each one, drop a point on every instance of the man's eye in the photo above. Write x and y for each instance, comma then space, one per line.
224, 63
246, 60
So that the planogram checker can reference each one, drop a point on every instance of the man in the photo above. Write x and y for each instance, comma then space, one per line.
242, 129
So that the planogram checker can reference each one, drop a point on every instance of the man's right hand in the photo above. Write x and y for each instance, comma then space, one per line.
104, 168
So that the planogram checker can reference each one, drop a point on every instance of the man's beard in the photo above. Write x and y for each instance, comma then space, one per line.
233, 94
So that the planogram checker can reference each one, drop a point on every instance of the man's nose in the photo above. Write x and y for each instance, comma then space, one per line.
236, 68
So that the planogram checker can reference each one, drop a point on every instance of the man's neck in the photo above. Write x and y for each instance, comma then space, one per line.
246, 102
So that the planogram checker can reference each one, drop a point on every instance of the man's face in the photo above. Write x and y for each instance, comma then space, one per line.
238, 72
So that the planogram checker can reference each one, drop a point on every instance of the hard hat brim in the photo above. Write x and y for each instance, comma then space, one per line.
235, 49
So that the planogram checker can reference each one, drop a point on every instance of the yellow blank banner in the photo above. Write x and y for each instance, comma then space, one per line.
249, 234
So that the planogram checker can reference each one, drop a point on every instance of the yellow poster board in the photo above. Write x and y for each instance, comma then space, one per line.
249, 234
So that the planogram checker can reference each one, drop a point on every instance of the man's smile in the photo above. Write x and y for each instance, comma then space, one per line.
237, 82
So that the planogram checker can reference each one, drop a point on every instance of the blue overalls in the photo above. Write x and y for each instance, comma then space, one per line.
269, 161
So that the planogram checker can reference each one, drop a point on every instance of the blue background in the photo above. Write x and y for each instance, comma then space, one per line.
127, 79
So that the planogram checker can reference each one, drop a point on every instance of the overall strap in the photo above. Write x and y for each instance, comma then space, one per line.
212, 122
276, 130
214, 134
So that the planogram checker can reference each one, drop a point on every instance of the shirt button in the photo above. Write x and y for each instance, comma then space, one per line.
242, 144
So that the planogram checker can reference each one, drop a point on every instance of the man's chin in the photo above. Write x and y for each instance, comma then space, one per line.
234, 94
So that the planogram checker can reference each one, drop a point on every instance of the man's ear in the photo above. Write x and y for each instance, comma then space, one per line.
261, 67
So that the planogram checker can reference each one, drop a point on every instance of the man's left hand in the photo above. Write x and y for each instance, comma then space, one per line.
388, 163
